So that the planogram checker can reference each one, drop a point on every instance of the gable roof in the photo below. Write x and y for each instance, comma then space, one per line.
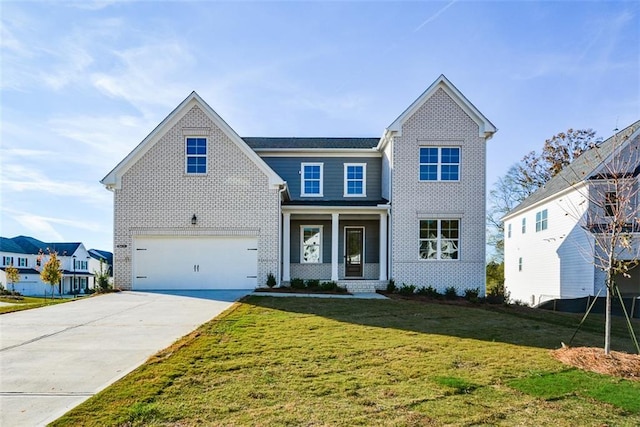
258, 143
581, 169
113, 178
101, 255
29, 245
486, 128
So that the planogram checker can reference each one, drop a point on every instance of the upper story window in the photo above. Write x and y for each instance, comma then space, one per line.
311, 179
7, 260
439, 238
524, 225
355, 179
311, 244
509, 230
439, 163
22, 262
196, 154
541, 220
610, 203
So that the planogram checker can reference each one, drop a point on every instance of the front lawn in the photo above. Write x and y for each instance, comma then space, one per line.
27, 303
327, 362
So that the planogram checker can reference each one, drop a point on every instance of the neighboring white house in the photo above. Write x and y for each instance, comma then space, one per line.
549, 241
28, 255
199, 207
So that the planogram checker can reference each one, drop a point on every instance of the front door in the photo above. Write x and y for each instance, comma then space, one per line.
354, 253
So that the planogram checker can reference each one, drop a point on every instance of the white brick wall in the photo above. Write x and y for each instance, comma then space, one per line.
157, 196
439, 122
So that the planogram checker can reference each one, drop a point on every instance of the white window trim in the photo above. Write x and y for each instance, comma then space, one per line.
302, 227
206, 156
509, 231
364, 180
524, 226
439, 164
540, 221
439, 240
302, 166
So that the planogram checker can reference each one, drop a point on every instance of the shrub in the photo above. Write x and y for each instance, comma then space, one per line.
498, 295
391, 286
472, 294
329, 286
102, 284
450, 293
271, 280
297, 283
312, 283
407, 289
429, 292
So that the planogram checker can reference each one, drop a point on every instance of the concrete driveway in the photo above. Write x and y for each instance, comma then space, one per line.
53, 358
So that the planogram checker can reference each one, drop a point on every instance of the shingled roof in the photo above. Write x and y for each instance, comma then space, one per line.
581, 169
260, 143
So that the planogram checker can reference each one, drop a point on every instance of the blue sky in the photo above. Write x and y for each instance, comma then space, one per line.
82, 83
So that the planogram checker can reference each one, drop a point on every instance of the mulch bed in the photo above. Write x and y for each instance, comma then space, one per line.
299, 291
622, 365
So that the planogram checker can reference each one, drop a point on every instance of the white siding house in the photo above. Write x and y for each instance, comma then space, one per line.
550, 248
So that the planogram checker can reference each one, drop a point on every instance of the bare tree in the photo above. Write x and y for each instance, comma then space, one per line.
606, 178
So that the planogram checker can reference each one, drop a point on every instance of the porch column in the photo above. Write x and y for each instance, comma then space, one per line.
383, 246
334, 245
286, 247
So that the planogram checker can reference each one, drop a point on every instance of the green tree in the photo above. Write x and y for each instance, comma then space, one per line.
102, 279
51, 271
13, 276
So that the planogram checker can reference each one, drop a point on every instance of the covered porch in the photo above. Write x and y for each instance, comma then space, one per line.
345, 244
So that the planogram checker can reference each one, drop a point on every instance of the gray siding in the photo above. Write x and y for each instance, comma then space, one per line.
371, 237
333, 175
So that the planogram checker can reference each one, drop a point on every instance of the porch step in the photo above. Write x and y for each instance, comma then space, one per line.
363, 286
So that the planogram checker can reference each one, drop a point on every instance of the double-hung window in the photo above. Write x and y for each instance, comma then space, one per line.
541, 220
7, 260
22, 262
311, 174
196, 154
439, 163
524, 225
439, 239
355, 179
311, 244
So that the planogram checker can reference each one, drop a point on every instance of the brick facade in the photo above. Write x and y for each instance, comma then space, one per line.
157, 197
439, 122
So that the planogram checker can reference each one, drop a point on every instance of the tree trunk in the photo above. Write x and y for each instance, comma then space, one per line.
607, 319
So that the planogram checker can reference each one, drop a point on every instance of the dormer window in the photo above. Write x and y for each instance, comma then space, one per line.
355, 179
311, 174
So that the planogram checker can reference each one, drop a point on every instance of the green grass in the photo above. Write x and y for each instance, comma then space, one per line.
321, 362
27, 303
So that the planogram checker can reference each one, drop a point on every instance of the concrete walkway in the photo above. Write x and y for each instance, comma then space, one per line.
53, 358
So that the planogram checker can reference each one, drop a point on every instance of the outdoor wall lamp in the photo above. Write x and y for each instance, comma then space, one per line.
194, 219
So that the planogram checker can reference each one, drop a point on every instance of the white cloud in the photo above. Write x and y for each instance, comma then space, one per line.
17, 178
148, 75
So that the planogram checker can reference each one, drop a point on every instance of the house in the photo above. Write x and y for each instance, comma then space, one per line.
199, 207
554, 238
28, 255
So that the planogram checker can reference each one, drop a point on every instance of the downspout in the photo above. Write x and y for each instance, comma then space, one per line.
283, 188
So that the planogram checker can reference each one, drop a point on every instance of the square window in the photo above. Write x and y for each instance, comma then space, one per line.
439, 163
439, 239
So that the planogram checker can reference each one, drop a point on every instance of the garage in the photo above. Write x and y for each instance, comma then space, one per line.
170, 262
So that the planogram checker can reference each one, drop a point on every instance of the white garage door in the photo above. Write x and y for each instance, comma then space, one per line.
162, 262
